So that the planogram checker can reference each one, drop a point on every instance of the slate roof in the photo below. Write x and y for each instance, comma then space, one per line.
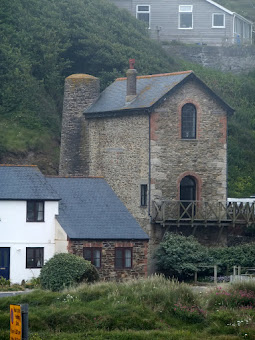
89, 209
24, 183
151, 90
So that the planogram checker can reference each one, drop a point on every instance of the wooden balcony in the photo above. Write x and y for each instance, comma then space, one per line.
195, 213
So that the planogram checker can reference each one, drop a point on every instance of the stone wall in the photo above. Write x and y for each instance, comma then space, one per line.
203, 158
81, 90
107, 271
234, 59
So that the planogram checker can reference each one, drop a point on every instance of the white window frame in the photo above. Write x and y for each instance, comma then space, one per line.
147, 12
183, 11
224, 22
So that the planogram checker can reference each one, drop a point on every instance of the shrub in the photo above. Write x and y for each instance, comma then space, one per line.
64, 270
180, 256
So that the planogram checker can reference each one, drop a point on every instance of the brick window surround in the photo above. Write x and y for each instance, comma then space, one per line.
123, 258
198, 184
94, 255
198, 117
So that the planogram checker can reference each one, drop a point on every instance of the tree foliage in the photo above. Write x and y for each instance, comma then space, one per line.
179, 256
64, 270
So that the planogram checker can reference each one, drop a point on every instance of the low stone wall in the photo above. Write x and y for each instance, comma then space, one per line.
108, 271
234, 59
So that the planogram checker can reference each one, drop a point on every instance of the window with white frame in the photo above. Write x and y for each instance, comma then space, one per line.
143, 13
218, 20
186, 16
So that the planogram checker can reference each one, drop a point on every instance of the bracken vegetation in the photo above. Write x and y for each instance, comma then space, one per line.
42, 43
150, 308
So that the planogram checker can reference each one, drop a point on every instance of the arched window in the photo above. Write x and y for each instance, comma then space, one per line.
188, 189
189, 118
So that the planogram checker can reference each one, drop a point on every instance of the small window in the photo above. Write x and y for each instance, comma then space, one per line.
123, 258
218, 20
143, 195
189, 117
35, 211
186, 16
93, 255
143, 14
34, 257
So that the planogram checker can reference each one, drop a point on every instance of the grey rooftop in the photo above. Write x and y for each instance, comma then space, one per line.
151, 89
89, 209
24, 183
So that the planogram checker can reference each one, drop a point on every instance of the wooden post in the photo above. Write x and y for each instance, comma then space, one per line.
195, 277
234, 271
239, 270
215, 274
24, 312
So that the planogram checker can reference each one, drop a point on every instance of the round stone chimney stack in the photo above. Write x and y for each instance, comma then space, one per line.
131, 81
81, 90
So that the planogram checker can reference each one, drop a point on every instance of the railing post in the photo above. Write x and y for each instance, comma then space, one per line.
215, 274
195, 277
239, 270
234, 271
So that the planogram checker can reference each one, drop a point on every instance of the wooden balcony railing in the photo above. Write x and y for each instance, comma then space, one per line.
202, 213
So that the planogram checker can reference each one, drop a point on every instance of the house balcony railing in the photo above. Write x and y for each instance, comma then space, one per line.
195, 213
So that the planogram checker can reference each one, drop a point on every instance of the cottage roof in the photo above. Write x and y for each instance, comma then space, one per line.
151, 90
89, 209
24, 183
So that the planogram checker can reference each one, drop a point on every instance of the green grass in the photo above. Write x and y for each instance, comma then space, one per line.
154, 308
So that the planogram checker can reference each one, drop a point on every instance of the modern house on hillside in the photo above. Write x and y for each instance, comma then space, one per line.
41, 216
192, 21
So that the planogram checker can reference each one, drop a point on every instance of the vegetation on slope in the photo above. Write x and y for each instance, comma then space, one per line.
137, 310
42, 43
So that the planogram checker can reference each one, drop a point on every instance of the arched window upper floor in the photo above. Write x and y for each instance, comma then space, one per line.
188, 121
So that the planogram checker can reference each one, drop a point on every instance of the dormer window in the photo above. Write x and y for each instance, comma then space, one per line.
35, 211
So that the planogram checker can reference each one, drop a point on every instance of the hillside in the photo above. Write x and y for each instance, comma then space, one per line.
44, 43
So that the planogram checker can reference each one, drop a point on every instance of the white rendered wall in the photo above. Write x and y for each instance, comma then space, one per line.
18, 234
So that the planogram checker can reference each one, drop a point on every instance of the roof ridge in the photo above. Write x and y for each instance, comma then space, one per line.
158, 75
18, 165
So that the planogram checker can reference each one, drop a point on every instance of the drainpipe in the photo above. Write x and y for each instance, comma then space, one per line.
149, 180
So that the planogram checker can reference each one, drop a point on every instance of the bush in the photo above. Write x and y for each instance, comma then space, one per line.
64, 270
180, 256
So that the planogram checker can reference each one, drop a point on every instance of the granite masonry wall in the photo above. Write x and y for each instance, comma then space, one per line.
81, 90
107, 271
234, 59
203, 158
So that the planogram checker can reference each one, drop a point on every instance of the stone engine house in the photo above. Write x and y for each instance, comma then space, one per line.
160, 141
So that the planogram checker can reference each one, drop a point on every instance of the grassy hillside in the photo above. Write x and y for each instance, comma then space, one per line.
42, 43
138, 310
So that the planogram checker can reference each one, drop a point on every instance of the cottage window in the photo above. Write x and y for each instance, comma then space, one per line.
123, 258
143, 14
186, 16
93, 255
34, 257
35, 211
143, 195
218, 20
188, 121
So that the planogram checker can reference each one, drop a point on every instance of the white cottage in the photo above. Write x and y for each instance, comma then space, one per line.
28, 206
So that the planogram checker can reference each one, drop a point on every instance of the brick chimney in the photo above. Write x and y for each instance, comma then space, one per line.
81, 90
131, 81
